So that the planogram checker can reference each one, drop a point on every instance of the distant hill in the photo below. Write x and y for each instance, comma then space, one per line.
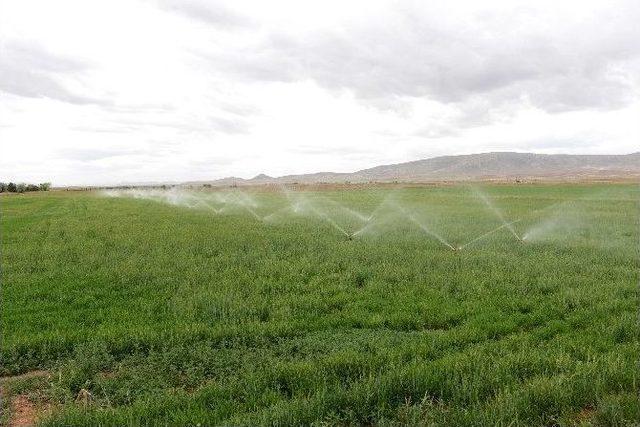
498, 166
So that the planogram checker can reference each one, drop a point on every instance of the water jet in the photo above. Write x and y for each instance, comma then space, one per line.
488, 233
498, 213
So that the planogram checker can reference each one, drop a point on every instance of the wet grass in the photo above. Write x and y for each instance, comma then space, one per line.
177, 316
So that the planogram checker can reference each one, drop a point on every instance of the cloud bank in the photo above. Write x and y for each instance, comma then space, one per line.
185, 90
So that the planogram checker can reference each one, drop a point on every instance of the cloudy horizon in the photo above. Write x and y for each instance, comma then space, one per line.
99, 93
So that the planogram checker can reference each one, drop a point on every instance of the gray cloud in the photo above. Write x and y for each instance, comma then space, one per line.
343, 151
522, 57
436, 131
92, 154
102, 129
577, 143
229, 126
243, 110
206, 163
185, 124
27, 70
209, 12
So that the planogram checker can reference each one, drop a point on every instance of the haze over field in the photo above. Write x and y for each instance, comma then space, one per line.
175, 91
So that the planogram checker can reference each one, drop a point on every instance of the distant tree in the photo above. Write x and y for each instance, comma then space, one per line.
22, 187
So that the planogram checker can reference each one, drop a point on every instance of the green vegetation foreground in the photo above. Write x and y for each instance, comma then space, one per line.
146, 313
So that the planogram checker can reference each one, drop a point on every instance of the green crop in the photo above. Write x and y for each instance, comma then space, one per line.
206, 313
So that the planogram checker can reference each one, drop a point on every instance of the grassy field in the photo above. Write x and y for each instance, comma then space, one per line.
173, 315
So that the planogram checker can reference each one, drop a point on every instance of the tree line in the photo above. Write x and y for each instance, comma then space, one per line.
12, 187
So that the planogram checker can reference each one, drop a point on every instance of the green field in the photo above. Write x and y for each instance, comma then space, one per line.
175, 315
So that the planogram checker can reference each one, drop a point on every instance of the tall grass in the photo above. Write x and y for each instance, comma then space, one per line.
178, 316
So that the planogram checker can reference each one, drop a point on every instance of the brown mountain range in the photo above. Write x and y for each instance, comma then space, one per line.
498, 166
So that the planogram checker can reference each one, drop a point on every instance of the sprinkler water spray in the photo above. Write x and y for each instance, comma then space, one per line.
299, 204
498, 213
488, 233
424, 228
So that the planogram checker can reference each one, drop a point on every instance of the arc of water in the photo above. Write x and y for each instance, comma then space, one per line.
252, 212
314, 210
240, 200
497, 212
270, 216
350, 211
371, 219
424, 228
487, 234
329, 220
206, 205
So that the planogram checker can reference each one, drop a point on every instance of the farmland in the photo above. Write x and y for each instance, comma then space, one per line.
276, 309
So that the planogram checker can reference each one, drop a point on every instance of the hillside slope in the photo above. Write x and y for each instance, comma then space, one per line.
484, 166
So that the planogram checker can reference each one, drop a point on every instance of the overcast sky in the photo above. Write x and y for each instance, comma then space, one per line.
105, 92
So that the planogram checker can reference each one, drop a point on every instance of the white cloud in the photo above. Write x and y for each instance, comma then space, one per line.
107, 92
